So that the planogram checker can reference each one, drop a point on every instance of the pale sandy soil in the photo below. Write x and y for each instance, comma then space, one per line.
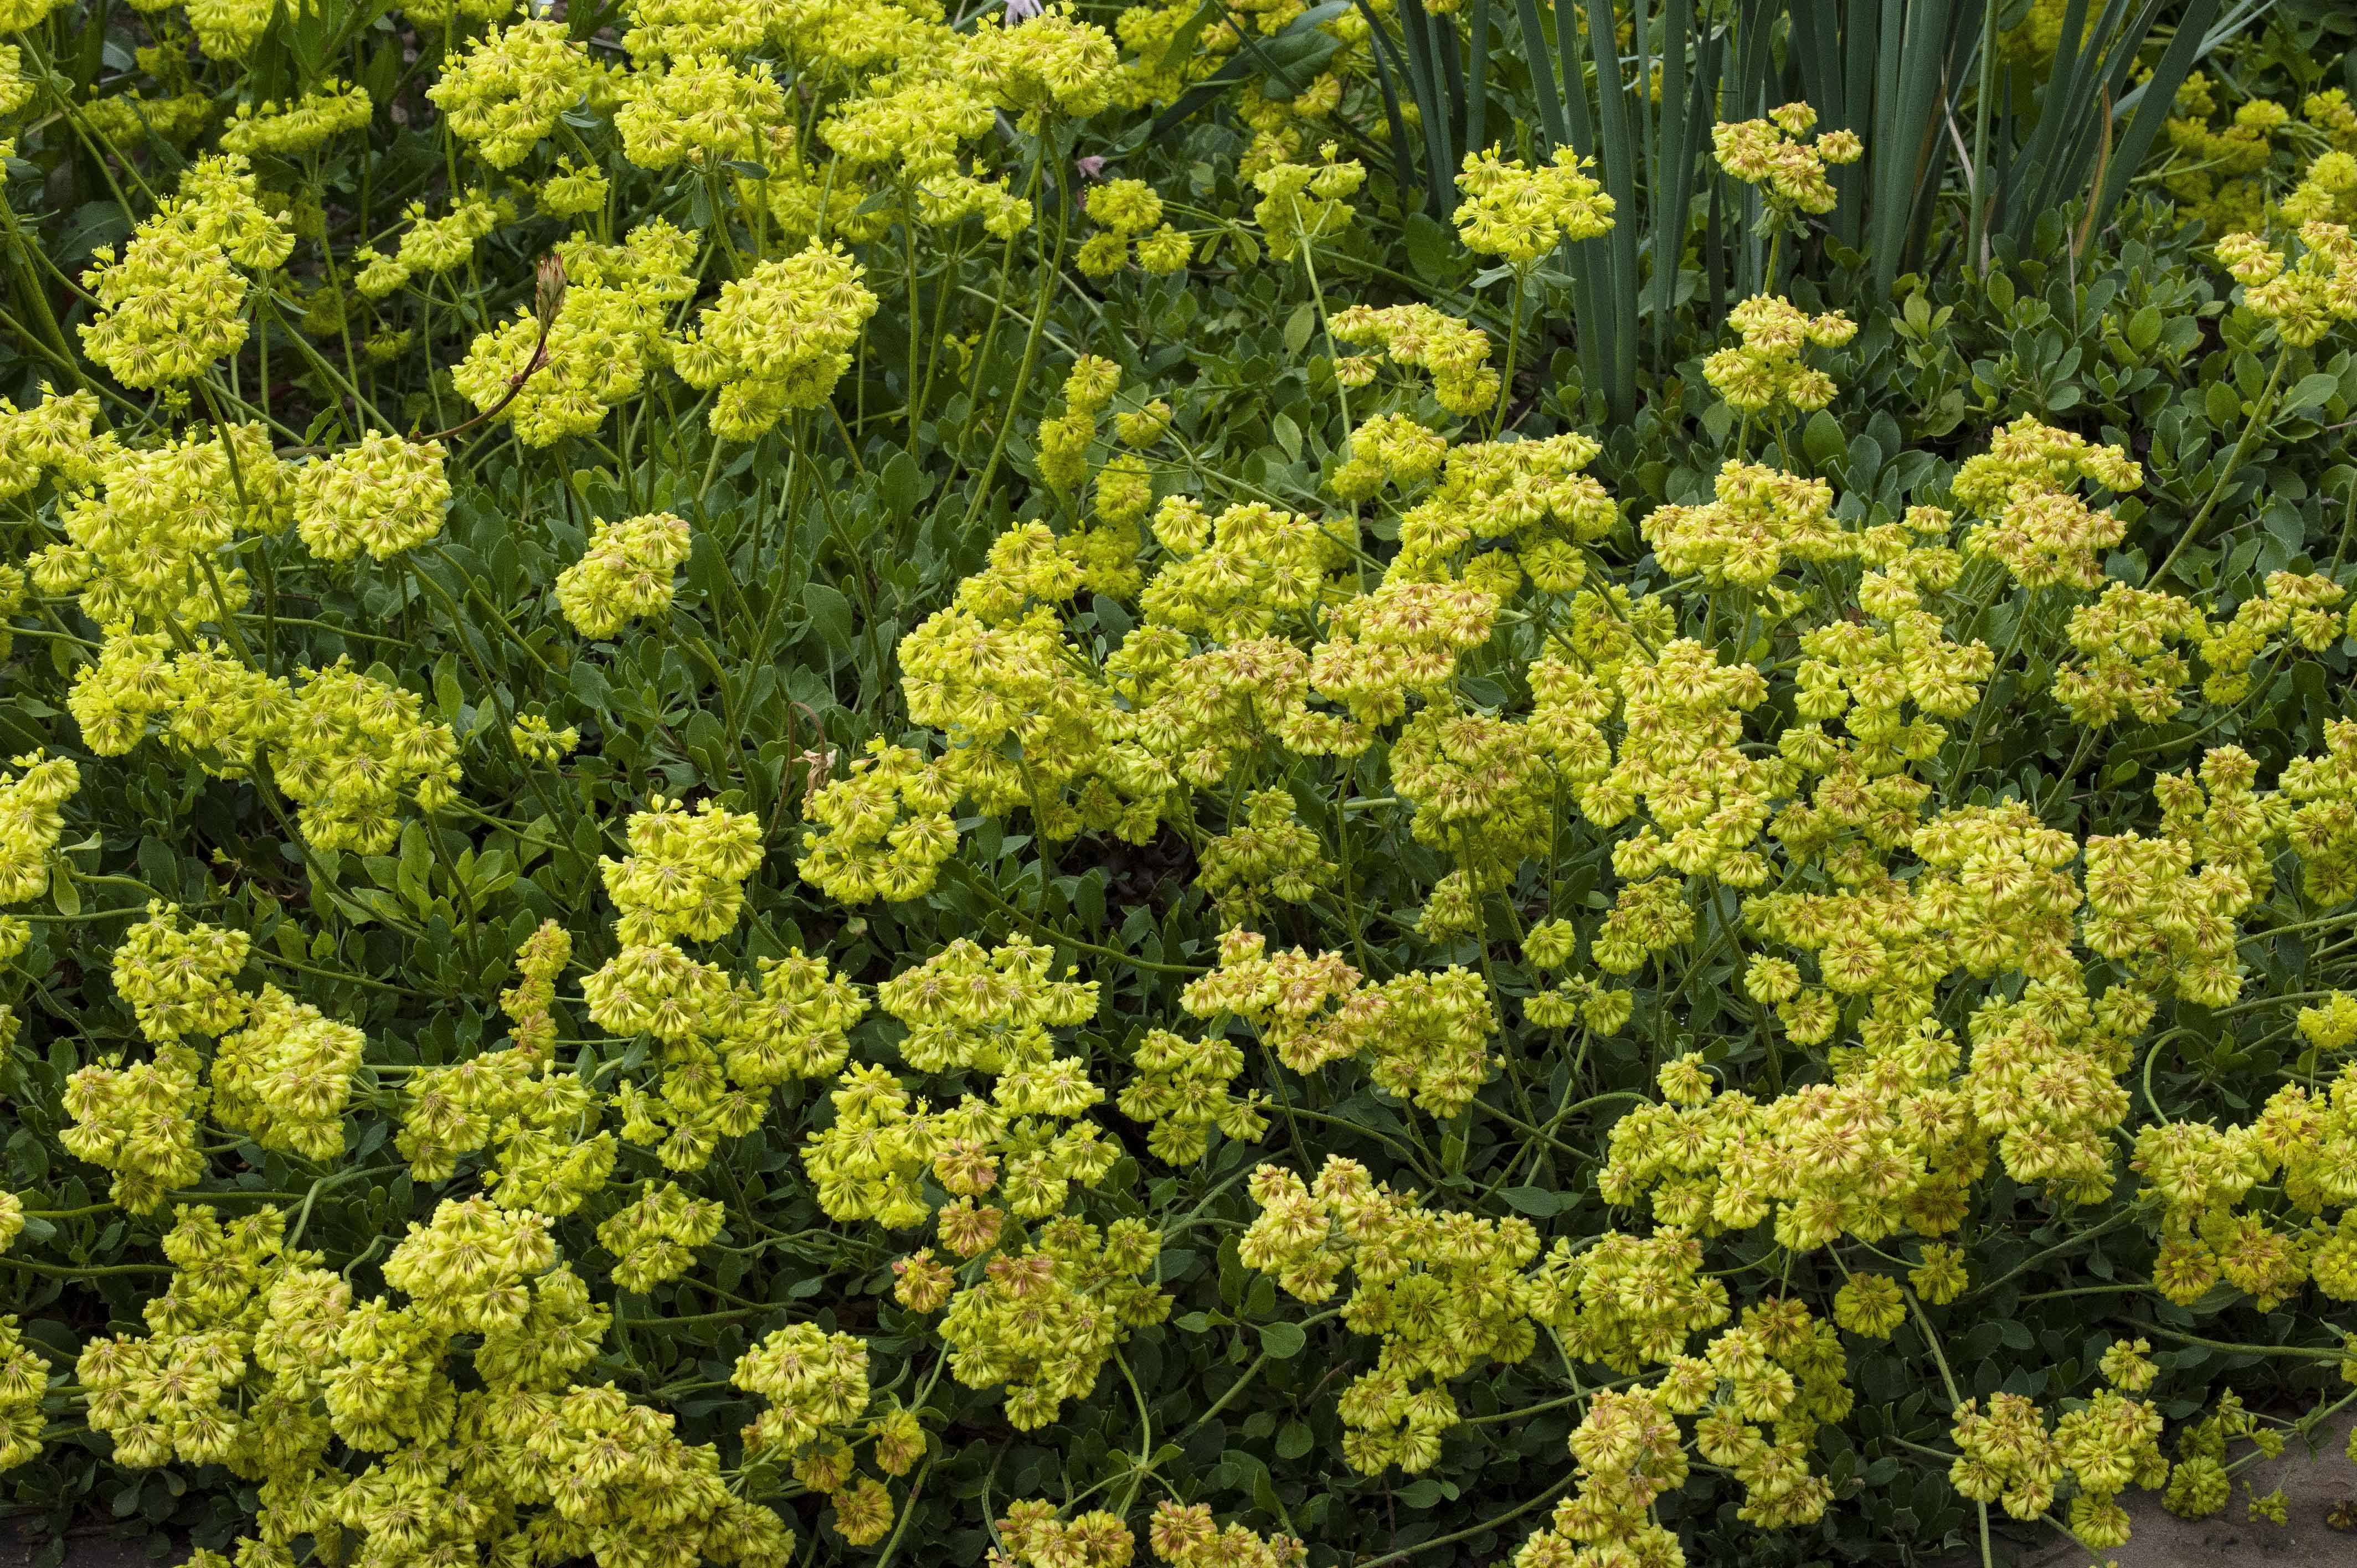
2314, 1485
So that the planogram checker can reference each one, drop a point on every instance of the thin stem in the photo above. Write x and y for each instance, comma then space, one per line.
2259, 412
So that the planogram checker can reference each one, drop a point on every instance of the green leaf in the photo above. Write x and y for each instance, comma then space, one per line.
1288, 436
1432, 249
2144, 330
901, 485
2313, 391
589, 684
447, 694
1537, 1202
1182, 42
1823, 440
2224, 406
1299, 325
830, 612
1282, 1341
62, 891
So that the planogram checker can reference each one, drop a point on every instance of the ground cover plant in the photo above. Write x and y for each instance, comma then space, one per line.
1247, 786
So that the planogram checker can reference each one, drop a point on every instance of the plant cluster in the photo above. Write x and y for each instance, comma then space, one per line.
798, 781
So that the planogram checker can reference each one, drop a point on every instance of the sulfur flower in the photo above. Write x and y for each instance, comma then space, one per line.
624, 575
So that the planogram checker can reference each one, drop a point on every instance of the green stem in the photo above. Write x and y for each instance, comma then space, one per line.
2259, 412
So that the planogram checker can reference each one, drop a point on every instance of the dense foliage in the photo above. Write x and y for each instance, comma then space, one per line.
811, 780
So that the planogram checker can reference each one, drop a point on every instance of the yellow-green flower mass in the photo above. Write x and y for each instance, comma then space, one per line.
1252, 786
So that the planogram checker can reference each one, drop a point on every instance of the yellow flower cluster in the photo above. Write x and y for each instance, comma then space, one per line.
285, 1078
1765, 373
2200, 1483
2322, 821
606, 338
23, 1383
1127, 210
1456, 355
697, 110
1781, 1371
1185, 1536
432, 245
2007, 1455
52, 437
1185, 1088
228, 29
654, 1238
1270, 854
140, 1121
554, 1152
1064, 441
881, 832
216, 1380
351, 748
1519, 214
384, 495
1757, 518
538, 740
2217, 179
1044, 1319
259, 1359
988, 1010
2126, 664
1790, 172
506, 88
33, 794
2306, 299
2301, 608
1301, 204
141, 543
302, 125
625, 572
685, 873
1053, 65
2033, 521
2200, 1174
968, 1009
1424, 1036
816, 1386
777, 339
2327, 193
173, 304
1444, 1291
1035, 1538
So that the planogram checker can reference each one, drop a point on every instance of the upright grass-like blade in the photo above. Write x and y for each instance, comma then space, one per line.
2092, 115
1477, 80
1451, 76
1646, 123
1813, 51
1755, 30
1549, 82
1671, 196
1540, 61
1906, 172
1420, 55
2068, 76
1861, 51
1614, 137
2192, 41
1757, 82
1590, 260
1386, 63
